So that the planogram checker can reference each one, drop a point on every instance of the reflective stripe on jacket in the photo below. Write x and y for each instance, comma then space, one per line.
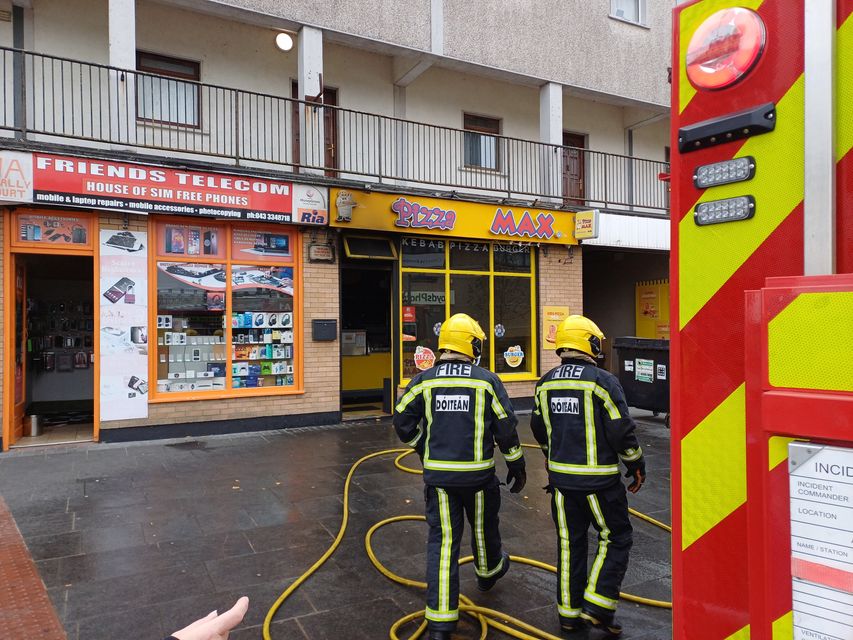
453, 414
582, 423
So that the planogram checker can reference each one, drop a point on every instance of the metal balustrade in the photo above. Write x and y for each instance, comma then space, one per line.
49, 99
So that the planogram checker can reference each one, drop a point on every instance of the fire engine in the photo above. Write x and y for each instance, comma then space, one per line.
762, 319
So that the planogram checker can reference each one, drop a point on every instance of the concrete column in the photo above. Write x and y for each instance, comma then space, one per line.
551, 133
312, 142
436, 15
122, 28
122, 43
400, 133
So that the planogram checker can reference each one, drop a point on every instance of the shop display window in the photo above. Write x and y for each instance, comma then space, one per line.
513, 330
423, 253
262, 353
469, 256
492, 282
423, 313
470, 294
227, 324
191, 350
511, 258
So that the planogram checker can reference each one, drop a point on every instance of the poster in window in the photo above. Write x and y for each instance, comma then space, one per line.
124, 325
270, 246
46, 228
279, 279
551, 319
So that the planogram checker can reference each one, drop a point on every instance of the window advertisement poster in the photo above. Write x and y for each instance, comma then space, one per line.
123, 324
278, 279
191, 240
270, 246
551, 319
44, 228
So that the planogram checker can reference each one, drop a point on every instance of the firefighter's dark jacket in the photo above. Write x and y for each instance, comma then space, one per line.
582, 423
453, 414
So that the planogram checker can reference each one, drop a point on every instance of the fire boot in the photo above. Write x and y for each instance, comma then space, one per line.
435, 634
571, 625
484, 584
611, 627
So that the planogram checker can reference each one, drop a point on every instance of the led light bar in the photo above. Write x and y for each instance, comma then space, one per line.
728, 210
726, 172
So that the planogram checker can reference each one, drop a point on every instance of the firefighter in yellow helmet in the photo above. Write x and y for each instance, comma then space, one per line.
582, 423
452, 415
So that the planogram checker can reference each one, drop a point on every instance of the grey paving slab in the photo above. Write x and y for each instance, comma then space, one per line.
136, 540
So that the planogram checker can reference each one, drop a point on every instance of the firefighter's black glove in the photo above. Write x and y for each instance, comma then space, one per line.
637, 471
517, 475
549, 489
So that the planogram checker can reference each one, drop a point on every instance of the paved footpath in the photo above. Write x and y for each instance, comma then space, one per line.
134, 541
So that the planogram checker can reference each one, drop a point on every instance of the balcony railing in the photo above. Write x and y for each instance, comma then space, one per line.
48, 99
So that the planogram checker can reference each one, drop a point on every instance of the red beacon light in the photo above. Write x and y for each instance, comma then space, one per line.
724, 48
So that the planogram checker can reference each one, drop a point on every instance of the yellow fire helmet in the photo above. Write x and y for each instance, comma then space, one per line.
579, 333
461, 333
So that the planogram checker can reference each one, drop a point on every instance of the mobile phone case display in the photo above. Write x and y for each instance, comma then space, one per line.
45, 228
190, 240
123, 324
59, 335
262, 328
191, 349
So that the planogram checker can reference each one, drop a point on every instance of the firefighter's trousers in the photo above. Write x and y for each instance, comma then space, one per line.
596, 592
444, 509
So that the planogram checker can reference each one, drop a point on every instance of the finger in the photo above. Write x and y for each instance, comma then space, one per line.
193, 626
231, 618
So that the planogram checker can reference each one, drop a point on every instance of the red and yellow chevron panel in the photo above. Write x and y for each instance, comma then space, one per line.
785, 401
711, 268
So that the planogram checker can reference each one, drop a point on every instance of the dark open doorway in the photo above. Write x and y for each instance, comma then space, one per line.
366, 346
58, 356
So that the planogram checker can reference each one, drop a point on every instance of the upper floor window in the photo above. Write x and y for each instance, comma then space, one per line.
164, 99
629, 10
481, 146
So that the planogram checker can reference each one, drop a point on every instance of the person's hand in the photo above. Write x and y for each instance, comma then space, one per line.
518, 477
639, 475
214, 626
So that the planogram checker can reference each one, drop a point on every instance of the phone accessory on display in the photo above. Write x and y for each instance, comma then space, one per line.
193, 241
118, 290
78, 235
64, 362
138, 385
123, 240
210, 244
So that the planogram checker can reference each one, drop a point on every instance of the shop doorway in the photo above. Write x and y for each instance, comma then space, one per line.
366, 345
53, 344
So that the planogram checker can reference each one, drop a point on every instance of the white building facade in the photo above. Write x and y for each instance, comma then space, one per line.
549, 106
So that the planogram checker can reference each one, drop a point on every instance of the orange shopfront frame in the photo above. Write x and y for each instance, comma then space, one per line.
240, 246
73, 235
14, 397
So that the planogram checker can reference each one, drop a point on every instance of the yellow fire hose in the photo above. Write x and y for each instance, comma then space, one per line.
484, 616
